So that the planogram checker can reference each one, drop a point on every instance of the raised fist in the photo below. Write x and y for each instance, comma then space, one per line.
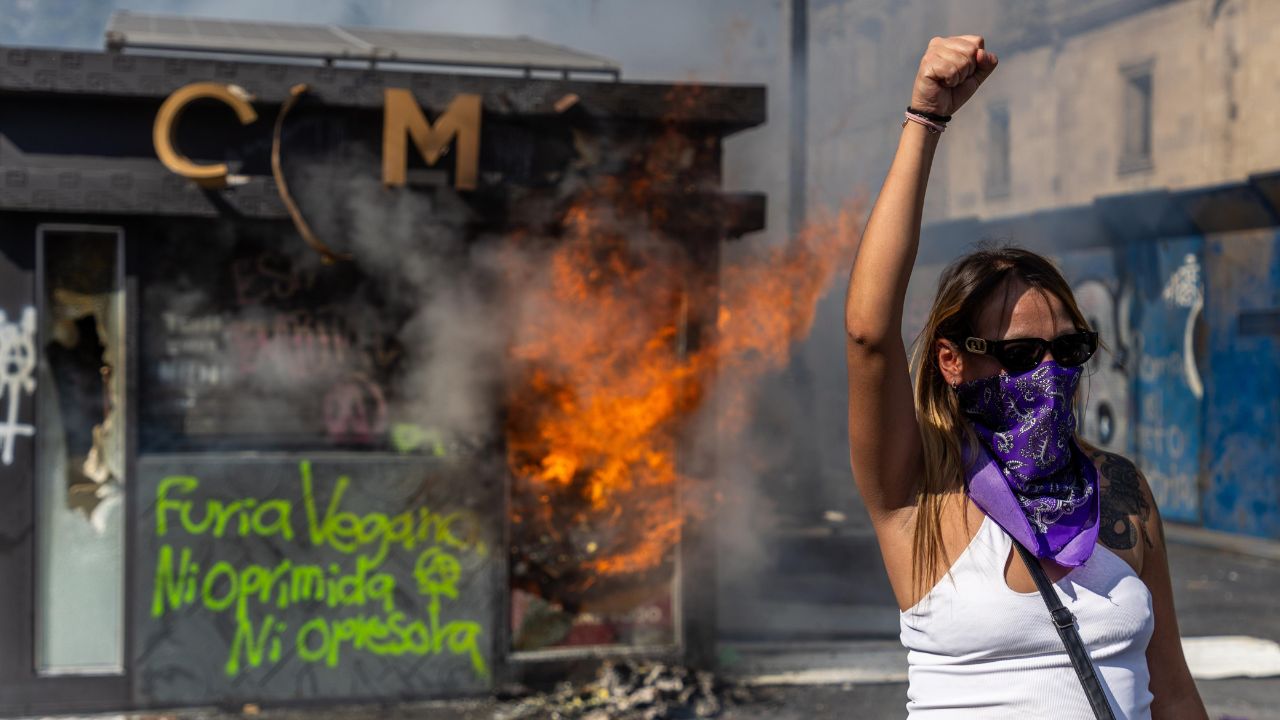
950, 73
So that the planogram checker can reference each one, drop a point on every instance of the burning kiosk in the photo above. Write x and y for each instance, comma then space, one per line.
340, 379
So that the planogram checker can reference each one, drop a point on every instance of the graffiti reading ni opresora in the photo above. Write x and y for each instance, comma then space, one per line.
352, 601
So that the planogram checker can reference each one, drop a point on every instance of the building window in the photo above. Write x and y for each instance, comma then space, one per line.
80, 451
998, 158
1135, 145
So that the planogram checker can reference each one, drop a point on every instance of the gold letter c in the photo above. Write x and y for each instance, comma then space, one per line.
209, 176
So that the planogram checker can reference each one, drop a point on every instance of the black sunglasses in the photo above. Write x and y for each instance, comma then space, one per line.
1022, 354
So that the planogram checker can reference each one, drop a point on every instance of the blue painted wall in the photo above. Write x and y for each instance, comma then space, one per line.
1168, 391
1104, 293
1190, 384
1243, 386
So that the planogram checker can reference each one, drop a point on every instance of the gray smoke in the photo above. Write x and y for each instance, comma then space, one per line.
790, 464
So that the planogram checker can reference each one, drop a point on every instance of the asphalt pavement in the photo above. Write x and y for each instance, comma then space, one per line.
1220, 594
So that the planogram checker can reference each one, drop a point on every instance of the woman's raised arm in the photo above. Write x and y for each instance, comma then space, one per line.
883, 435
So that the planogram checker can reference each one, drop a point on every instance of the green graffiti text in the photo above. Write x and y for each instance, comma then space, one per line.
354, 588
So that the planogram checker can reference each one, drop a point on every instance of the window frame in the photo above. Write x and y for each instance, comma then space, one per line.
40, 667
1132, 157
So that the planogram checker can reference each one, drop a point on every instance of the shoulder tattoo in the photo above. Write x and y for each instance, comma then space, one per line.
1125, 510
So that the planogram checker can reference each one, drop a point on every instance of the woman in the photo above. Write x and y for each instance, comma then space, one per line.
984, 450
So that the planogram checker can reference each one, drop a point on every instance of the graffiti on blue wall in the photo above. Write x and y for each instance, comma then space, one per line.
1189, 383
1168, 391
1191, 386
1103, 298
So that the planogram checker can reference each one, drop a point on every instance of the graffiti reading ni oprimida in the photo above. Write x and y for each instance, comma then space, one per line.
348, 603
17, 363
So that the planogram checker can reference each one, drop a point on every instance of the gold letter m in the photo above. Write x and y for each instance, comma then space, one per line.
460, 121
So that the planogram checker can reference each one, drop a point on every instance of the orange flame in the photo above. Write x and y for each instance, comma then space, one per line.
607, 386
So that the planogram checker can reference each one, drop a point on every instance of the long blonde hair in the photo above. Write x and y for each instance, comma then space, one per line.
964, 289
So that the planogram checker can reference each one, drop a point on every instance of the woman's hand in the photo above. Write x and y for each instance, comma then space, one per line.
950, 73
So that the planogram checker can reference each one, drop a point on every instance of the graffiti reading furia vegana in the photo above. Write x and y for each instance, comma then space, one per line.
352, 603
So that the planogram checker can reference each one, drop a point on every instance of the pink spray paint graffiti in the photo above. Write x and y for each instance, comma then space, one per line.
355, 410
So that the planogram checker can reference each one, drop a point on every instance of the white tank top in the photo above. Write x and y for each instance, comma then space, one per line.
978, 649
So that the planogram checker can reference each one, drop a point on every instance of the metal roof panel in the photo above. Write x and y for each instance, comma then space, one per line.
147, 31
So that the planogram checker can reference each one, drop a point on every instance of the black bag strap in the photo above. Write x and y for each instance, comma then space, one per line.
1065, 622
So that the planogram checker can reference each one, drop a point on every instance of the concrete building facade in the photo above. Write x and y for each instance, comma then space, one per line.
1132, 142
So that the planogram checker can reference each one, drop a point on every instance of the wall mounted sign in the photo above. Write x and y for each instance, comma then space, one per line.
403, 118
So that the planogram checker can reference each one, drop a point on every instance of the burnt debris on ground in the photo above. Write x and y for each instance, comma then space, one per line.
635, 691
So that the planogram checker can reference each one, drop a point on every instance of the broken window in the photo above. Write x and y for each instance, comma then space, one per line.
80, 455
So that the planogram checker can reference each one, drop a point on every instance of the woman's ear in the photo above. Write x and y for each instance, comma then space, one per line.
950, 361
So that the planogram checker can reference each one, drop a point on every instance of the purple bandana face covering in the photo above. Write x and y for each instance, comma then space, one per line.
1029, 475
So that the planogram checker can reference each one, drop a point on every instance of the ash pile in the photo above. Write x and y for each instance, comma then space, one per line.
635, 691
